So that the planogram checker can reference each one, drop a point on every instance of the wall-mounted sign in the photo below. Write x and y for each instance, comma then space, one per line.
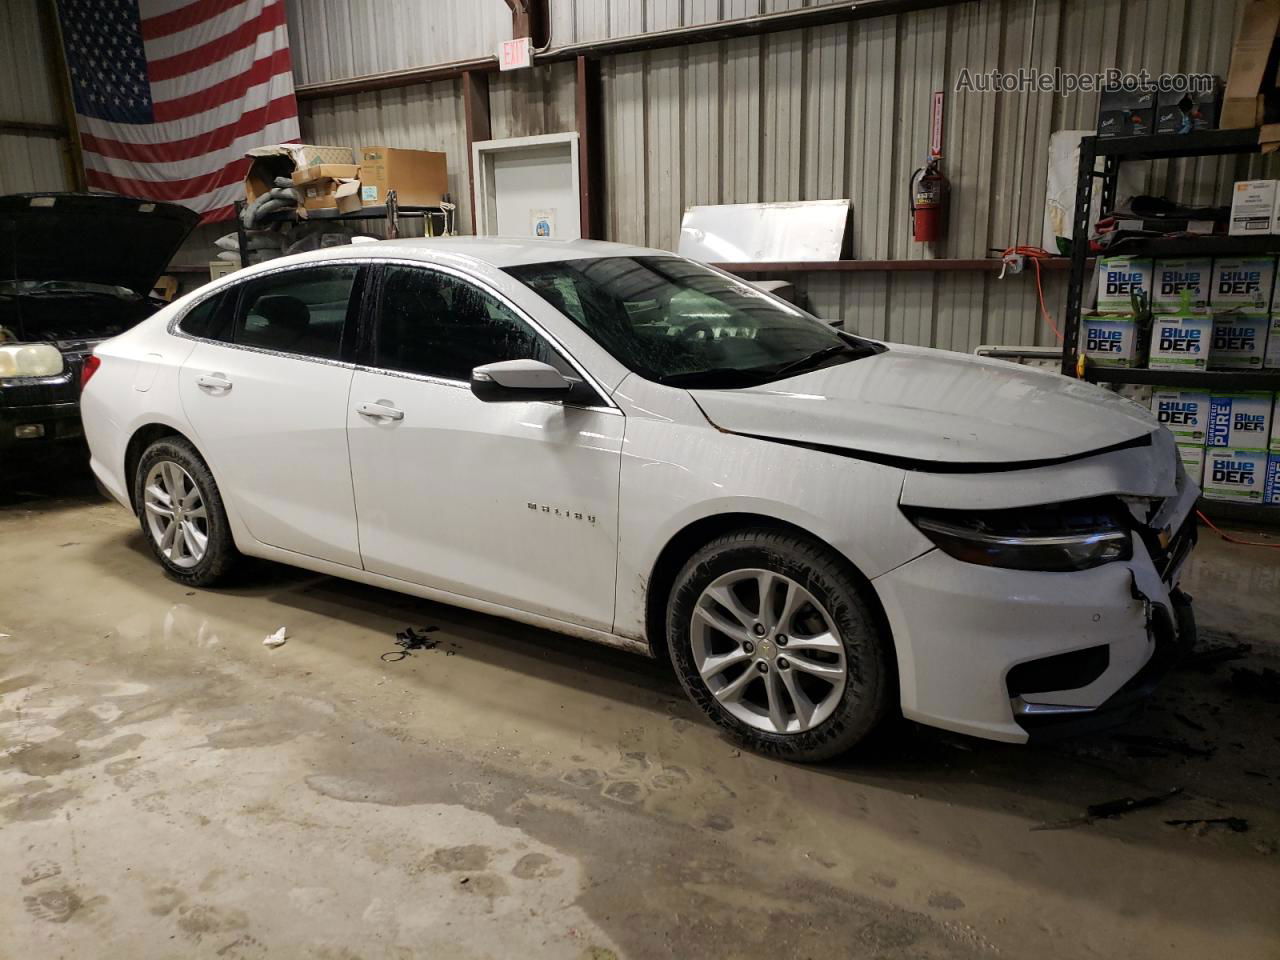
515, 54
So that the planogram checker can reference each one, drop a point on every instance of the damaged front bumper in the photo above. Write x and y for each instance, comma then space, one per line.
1015, 655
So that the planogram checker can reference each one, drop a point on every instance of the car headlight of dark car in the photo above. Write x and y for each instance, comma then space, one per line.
30, 360
1076, 535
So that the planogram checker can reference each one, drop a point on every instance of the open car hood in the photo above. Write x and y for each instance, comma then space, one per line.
931, 409
90, 238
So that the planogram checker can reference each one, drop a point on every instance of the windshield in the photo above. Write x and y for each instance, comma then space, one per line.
680, 323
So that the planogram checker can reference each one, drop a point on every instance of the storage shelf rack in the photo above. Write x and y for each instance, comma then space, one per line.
1113, 152
392, 212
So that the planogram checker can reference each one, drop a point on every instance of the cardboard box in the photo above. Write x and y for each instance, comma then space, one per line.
1271, 356
1184, 412
1125, 113
1238, 475
1112, 340
1248, 77
1118, 277
1253, 205
283, 159
1181, 341
1192, 457
328, 186
420, 178
1271, 488
1180, 110
1239, 340
1240, 421
1173, 277
1243, 282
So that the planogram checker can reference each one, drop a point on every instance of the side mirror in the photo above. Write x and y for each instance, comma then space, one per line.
519, 381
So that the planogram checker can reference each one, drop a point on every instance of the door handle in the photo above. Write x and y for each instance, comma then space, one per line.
213, 381
380, 410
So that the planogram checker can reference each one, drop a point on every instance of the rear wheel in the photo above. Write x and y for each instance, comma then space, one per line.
771, 638
182, 515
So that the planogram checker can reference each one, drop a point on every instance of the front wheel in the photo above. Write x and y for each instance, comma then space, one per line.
182, 515
771, 638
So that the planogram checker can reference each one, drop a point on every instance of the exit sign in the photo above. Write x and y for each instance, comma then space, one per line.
514, 54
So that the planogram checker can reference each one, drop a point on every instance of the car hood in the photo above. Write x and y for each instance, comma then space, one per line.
924, 407
90, 238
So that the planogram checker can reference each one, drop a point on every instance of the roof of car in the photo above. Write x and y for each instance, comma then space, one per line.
507, 251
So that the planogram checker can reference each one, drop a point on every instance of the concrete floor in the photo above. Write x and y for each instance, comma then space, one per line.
171, 788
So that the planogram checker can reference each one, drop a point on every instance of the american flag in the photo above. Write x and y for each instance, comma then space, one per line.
170, 93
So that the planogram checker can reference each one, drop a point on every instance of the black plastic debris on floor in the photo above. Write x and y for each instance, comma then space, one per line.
409, 640
1234, 824
1111, 808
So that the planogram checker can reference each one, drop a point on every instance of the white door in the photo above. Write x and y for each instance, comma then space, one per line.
268, 402
514, 503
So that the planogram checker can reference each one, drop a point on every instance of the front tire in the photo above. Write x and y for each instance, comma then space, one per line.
181, 513
770, 636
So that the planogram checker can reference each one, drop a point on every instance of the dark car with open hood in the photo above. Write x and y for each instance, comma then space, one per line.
75, 269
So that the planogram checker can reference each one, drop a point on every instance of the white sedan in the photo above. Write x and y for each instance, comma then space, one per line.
818, 530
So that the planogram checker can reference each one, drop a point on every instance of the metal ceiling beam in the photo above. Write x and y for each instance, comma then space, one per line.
818, 16
26, 127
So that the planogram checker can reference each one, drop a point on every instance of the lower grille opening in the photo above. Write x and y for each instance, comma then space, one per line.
1062, 671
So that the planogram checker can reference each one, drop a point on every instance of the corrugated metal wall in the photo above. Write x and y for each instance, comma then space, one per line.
333, 39
839, 111
28, 95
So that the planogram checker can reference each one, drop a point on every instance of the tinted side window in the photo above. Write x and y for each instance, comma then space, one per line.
435, 324
208, 318
301, 311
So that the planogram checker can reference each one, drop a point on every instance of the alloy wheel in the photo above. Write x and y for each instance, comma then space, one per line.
768, 651
176, 514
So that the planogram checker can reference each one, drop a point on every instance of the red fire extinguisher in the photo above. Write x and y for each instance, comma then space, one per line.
929, 191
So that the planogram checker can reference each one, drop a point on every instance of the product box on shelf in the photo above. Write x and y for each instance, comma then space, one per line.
1243, 282
1239, 340
1271, 489
1181, 341
1119, 278
1240, 421
1192, 457
1112, 340
1174, 277
1271, 357
1238, 475
1184, 412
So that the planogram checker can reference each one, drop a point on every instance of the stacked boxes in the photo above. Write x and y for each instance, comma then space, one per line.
1113, 337
1186, 414
1271, 492
1238, 436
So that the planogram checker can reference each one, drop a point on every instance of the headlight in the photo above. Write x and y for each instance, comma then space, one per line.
30, 360
1056, 537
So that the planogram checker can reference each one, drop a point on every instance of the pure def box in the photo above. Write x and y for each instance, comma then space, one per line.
1238, 475
1253, 204
1239, 340
1181, 342
1244, 282
1275, 426
1112, 340
1239, 421
1119, 278
1271, 489
1174, 277
1192, 457
1184, 412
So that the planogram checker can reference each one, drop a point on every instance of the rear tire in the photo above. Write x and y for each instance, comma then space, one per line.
181, 513
806, 675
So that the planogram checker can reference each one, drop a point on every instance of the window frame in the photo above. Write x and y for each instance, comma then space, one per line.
372, 308
356, 304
